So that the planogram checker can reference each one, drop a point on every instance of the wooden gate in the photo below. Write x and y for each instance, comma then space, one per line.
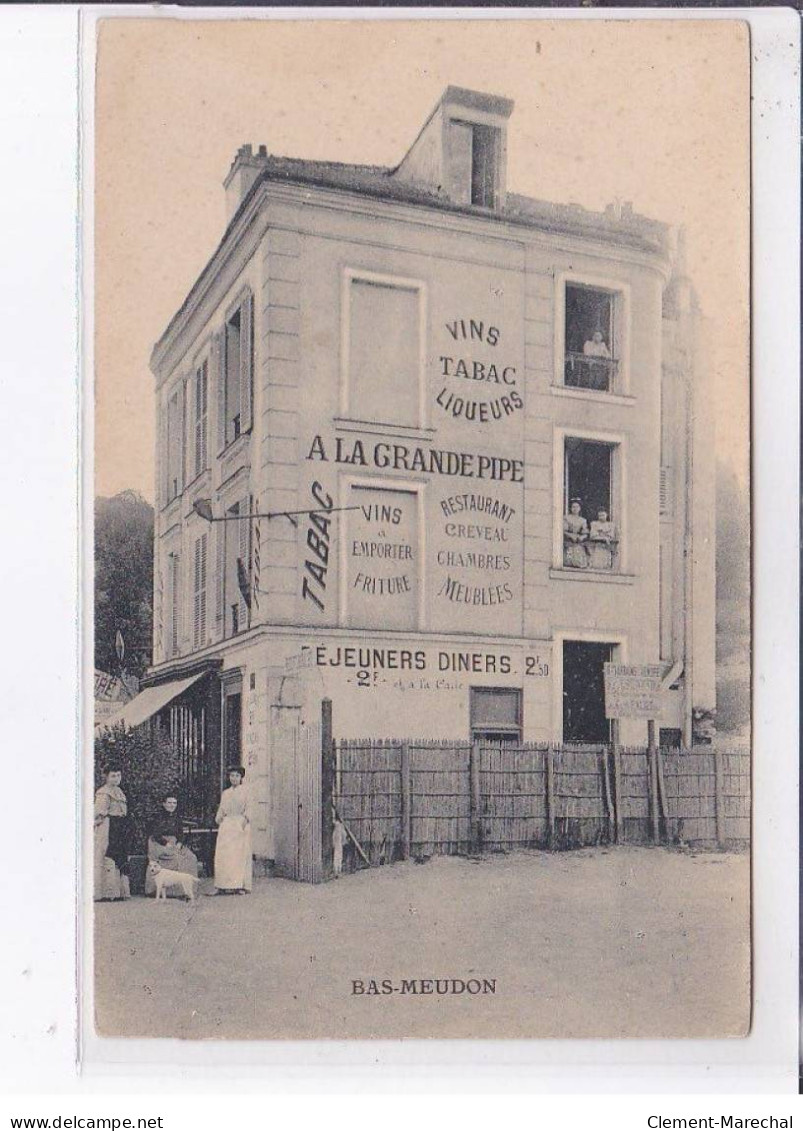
295, 784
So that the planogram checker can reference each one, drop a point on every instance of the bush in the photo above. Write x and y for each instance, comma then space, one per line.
150, 767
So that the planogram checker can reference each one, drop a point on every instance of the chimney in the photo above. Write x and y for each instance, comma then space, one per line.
461, 151
241, 176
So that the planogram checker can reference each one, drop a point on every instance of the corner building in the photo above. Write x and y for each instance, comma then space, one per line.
414, 372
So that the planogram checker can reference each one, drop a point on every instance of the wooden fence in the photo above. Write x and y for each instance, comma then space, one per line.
402, 799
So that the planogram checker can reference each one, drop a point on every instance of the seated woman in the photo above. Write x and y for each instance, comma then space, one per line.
166, 847
602, 542
575, 536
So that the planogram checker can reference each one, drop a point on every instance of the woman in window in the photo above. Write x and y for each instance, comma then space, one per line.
575, 537
111, 838
233, 863
166, 847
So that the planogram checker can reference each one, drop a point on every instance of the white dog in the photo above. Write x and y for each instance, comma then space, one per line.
165, 878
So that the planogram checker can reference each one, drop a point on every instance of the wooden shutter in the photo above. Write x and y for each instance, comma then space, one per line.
199, 592
220, 580
164, 461
184, 475
203, 409
246, 362
218, 378
244, 554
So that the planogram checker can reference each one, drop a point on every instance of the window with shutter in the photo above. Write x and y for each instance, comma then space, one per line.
201, 417
199, 597
232, 383
174, 444
175, 604
244, 563
231, 587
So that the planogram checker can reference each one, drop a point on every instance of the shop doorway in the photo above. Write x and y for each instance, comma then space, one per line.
584, 691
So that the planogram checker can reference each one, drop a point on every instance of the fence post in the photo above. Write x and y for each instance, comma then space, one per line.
406, 803
327, 787
608, 791
719, 797
550, 795
652, 753
475, 799
617, 793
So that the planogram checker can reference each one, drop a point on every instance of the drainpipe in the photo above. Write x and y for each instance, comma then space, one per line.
688, 533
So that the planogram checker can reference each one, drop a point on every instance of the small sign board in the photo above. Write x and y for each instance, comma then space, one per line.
633, 691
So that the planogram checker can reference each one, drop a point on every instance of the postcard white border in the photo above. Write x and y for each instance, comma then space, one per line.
41, 667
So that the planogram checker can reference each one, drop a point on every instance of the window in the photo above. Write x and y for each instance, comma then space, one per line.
199, 592
381, 584
237, 580
475, 157
383, 378
671, 737
201, 405
175, 443
174, 574
584, 718
233, 363
495, 715
590, 533
591, 345
236, 387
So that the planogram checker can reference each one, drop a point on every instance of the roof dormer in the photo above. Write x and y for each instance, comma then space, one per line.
461, 151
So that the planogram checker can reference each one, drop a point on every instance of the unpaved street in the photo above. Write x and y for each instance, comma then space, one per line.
601, 942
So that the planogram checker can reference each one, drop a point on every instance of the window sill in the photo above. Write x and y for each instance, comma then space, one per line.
611, 577
173, 504
234, 445
384, 428
591, 395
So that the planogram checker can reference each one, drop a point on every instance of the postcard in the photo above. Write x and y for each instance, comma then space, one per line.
422, 529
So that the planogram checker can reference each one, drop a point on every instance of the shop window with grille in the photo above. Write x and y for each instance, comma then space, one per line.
591, 344
496, 715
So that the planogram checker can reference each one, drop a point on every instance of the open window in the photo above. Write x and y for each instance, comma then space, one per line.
590, 530
237, 576
496, 715
592, 338
174, 456
236, 391
475, 156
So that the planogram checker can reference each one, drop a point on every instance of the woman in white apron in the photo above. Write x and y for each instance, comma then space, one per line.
233, 863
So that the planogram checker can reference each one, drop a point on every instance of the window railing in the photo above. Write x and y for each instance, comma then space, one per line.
581, 371
594, 551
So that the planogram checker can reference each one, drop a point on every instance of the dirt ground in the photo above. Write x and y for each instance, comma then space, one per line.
620, 942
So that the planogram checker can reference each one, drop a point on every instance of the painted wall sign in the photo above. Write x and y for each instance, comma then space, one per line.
381, 557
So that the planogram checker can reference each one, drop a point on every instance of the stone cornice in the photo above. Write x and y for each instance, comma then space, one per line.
249, 225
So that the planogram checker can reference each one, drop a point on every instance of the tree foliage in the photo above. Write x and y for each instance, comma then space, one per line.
123, 581
150, 768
